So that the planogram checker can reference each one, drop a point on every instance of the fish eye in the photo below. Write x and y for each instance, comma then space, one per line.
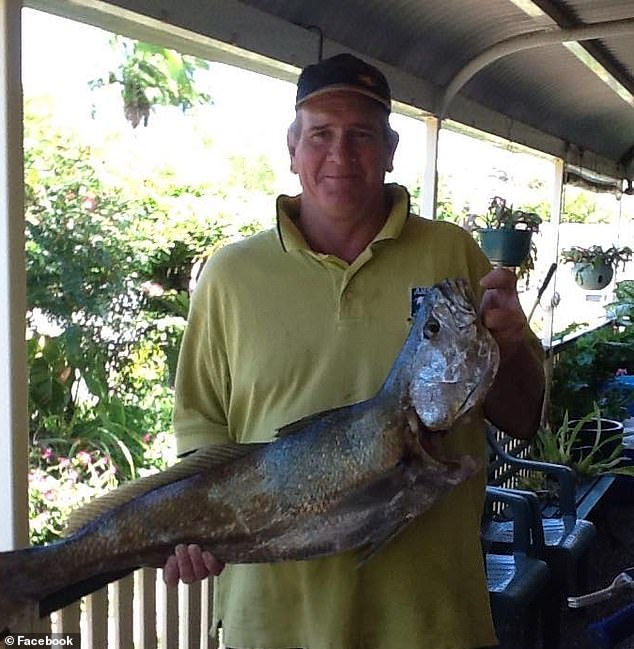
431, 328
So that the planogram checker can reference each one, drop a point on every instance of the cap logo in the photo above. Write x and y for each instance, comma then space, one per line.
366, 80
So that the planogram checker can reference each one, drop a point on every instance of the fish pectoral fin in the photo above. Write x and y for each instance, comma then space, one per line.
377, 493
380, 538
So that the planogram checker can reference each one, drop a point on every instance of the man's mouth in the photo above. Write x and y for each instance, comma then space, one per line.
342, 176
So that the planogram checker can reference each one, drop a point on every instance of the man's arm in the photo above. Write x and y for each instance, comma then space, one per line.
515, 400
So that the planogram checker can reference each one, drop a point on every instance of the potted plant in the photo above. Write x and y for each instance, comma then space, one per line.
506, 236
622, 308
597, 364
593, 267
591, 446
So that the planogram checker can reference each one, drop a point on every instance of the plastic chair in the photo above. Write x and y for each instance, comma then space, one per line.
567, 539
518, 581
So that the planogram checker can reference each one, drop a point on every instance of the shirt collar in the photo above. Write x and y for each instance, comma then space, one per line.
291, 238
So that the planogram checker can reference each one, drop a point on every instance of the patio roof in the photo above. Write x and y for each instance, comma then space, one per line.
555, 75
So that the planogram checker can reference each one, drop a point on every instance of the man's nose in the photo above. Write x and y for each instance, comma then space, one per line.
341, 149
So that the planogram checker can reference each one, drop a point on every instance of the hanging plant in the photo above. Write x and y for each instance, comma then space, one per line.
506, 235
153, 76
593, 267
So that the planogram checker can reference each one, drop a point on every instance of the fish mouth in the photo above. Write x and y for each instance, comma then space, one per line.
432, 446
431, 443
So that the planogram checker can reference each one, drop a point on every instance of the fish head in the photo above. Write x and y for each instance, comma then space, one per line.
454, 357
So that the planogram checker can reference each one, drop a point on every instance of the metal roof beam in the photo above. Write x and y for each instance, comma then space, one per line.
566, 17
529, 41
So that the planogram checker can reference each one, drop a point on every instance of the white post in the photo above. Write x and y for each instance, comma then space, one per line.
13, 385
430, 174
556, 207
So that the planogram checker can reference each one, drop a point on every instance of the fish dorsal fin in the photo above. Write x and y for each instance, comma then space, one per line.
198, 462
309, 420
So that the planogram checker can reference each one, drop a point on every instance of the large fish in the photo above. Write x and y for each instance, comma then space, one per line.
347, 478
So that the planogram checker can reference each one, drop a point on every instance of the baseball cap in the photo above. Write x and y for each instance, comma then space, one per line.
343, 72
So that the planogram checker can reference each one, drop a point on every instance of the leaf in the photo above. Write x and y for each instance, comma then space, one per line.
123, 448
623, 470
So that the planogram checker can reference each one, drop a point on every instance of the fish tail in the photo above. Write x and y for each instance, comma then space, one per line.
16, 586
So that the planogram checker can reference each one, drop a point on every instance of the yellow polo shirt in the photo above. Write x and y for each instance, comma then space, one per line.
276, 332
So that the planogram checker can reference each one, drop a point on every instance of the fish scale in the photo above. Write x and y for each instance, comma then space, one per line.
344, 479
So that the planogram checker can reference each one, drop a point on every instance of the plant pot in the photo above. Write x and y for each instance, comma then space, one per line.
592, 277
506, 247
622, 491
611, 438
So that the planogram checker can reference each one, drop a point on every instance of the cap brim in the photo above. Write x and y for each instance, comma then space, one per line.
347, 87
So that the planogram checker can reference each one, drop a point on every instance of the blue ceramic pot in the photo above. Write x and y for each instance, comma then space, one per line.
506, 247
591, 277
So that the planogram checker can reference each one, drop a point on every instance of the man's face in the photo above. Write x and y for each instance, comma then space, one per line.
342, 153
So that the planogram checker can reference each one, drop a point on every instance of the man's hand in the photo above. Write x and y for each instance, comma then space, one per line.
189, 564
514, 401
501, 310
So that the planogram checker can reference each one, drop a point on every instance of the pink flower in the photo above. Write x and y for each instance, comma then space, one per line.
47, 453
84, 457
152, 289
89, 203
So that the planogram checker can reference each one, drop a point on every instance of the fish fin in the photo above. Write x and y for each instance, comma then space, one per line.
384, 492
198, 462
17, 602
74, 592
322, 417
382, 536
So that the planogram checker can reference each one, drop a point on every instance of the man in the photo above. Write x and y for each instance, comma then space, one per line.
310, 316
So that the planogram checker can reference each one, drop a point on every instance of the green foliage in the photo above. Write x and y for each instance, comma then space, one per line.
109, 272
595, 256
153, 76
504, 217
75, 263
445, 212
623, 306
251, 175
582, 206
564, 445
584, 369
57, 485
569, 329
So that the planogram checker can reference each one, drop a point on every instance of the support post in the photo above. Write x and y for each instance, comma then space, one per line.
430, 174
556, 208
13, 383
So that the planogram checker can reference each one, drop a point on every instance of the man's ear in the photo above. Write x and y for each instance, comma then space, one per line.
291, 143
392, 144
